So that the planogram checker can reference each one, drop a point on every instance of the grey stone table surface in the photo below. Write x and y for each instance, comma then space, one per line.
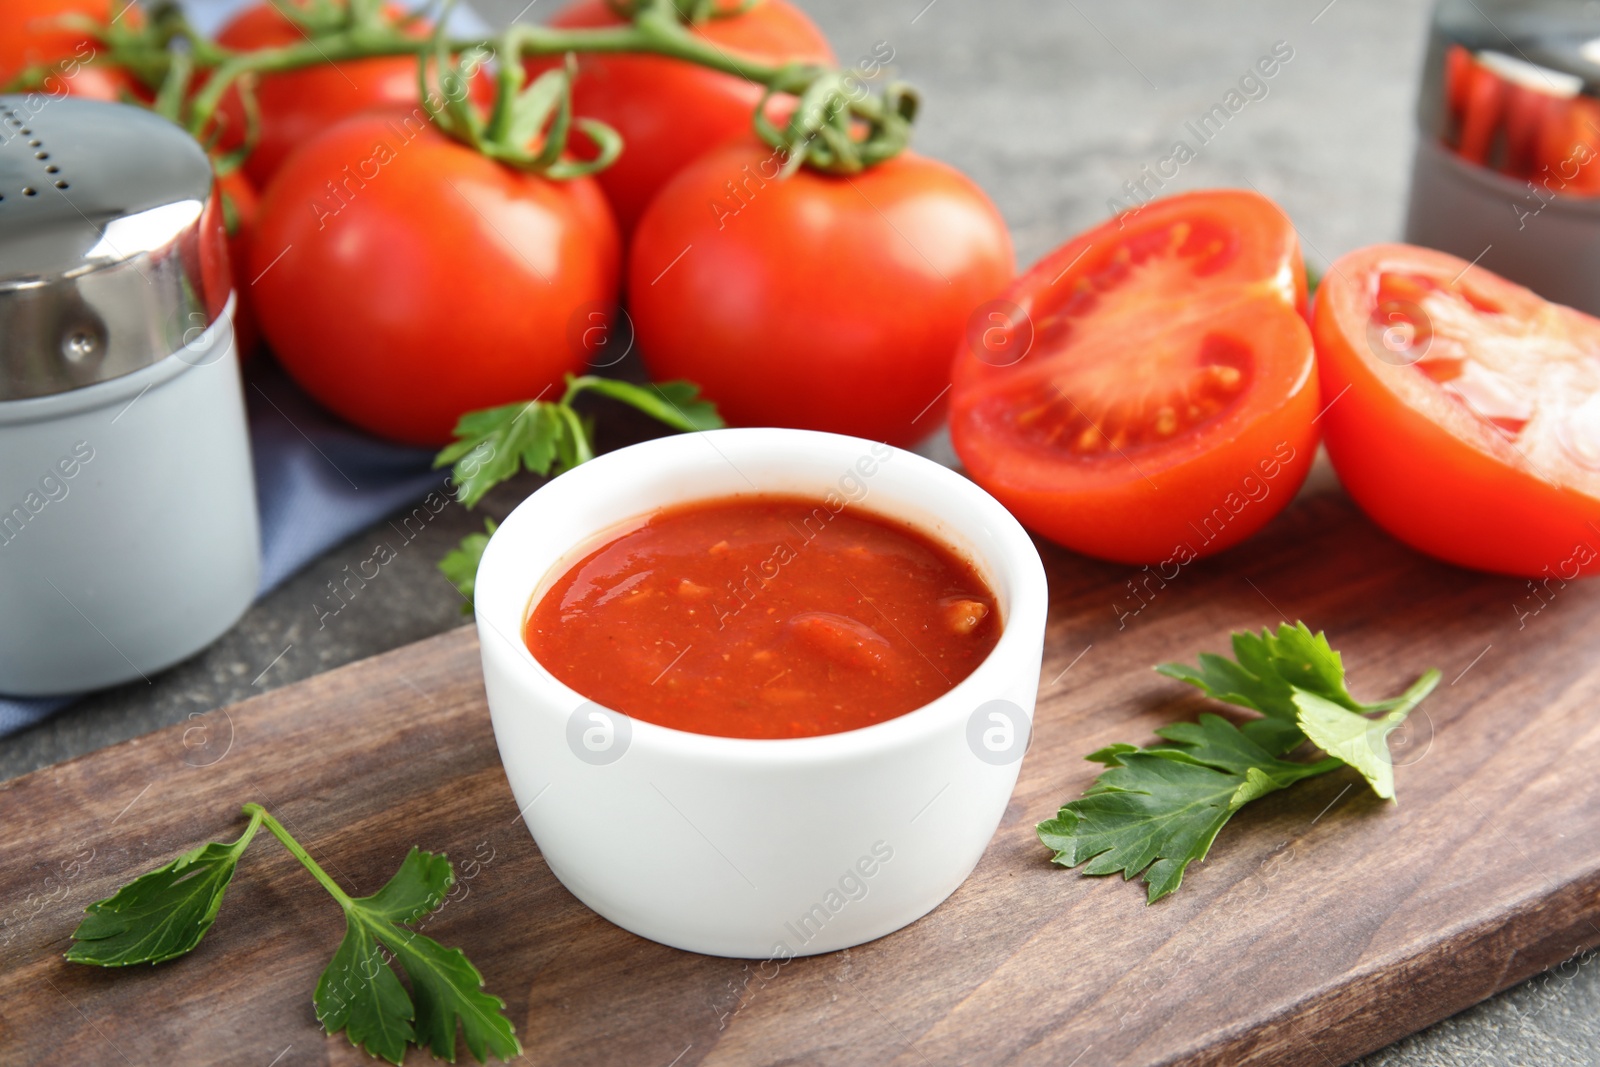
1051, 107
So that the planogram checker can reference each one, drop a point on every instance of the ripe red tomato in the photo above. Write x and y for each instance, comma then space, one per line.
826, 303
239, 217
297, 105
1464, 410
1146, 393
29, 36
670, 113
430, 281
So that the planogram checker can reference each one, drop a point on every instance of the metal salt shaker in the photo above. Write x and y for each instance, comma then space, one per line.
1507, 166
129, 538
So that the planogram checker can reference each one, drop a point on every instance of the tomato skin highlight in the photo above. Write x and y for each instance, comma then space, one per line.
1427, 470
1097, 308
670, 113
823, 303
438, 282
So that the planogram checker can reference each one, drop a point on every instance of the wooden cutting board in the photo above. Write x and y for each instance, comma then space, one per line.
1325, 924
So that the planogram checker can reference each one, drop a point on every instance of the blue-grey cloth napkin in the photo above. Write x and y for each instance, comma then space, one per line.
318, 481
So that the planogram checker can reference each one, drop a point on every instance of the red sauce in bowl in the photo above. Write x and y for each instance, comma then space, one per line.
765, 616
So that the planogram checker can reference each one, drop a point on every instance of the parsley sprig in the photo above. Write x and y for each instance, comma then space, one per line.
1156, 809
494, 444
164, 914
460, 564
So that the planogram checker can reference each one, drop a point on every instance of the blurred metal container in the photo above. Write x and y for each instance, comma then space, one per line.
128, 531
1507, 166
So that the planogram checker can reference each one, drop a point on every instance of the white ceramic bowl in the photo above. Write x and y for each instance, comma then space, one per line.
759, 848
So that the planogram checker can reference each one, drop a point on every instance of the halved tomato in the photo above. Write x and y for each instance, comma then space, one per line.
1146, 393
1463, 410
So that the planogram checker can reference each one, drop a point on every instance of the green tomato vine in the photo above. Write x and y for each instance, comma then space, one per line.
839, 125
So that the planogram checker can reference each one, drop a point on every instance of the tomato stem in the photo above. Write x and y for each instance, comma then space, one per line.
839, 126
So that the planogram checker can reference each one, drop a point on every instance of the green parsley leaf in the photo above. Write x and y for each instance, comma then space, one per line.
1111, 754
162, 914
1216, 742
448, 990
460, 565
359, 994
1360, 741
166, 912
416, 889
1277, 736
493, 444
1269, 668
1158, 809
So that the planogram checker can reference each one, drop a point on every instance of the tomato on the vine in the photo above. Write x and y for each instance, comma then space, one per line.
669, 112
30, 36
1463, 410
294, 106
1147, 392
821, 302
430, 280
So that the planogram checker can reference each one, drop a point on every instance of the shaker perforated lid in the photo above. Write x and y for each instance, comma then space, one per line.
112, 249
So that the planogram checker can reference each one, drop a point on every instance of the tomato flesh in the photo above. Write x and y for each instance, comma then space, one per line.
1471, 428
1168, 362
1537, 388
1089, 406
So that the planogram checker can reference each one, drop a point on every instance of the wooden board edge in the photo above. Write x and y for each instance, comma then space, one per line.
1391, 999
466, 635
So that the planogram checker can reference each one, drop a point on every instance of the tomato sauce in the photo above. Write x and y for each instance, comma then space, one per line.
765, 616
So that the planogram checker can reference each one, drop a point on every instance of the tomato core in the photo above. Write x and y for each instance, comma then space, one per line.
1537, 387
